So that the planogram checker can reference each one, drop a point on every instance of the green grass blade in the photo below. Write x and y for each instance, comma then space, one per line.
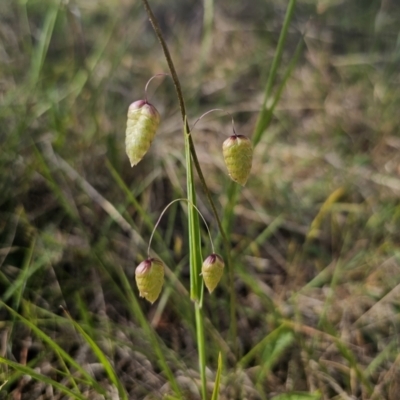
258, 348
381, 358
274, 69
63, 355
32, 373
217, 383
17, 286
135, 203
263, 236
197, 287
40, 52
102, 358
273, 351
269, 112
71, 210
194, 228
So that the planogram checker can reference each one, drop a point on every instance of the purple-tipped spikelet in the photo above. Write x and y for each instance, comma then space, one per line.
238, 156
143, 121
212, 271
149, 276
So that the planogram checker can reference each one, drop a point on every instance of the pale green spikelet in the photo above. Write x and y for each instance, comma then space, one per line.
212, 271
143, 121
149, 275
238, 156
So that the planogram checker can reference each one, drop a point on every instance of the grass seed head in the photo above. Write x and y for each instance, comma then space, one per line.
212, 271
143, 121
149, 275
238, 156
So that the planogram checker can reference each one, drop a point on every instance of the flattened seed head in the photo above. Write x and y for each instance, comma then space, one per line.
238, 156
212, 271
149, 275
142, 124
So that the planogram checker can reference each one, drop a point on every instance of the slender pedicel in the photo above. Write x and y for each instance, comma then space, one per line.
163, 212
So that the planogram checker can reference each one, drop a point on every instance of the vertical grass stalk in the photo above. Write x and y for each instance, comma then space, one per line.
196, 289
196, 283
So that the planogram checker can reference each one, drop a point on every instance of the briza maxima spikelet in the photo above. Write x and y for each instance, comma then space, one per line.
212, 271
149, 275
238, 156
143, 121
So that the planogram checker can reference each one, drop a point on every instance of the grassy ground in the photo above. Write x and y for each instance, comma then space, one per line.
315, 239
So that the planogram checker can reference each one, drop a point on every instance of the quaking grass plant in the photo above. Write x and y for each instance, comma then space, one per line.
143, 120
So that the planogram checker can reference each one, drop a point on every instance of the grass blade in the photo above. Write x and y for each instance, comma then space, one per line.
18, 285
270, 338
63, 355
102, 358
196, 283
41, 50
215, 394
259, 130
39, 377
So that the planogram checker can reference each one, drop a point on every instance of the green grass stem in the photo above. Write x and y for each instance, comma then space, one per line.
196, 283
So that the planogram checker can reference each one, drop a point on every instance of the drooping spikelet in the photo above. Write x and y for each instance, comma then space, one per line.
149, 275
212, 271
238, 156
143, 121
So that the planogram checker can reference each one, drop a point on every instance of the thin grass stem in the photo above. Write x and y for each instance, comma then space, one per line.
196, 284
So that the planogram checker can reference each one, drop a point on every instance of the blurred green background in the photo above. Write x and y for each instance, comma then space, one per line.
316, 233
